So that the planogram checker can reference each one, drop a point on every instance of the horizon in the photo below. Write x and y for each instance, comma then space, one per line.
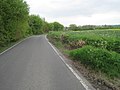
79, 12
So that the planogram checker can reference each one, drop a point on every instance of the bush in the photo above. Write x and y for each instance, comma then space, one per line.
109, 40
54, 35
13, 20
98, 59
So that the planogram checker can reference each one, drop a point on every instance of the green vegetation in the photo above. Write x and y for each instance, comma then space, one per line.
16, 23
97, 49
13, 20
108, 39
8, 45
35, 23
55, 26
74, 27
98, 59
38, 25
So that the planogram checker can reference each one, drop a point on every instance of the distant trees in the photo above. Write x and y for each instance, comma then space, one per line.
56, 26
74, 27
16, 23
45, 27
13, 20
38, 25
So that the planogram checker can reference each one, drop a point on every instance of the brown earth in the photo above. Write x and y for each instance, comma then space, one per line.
97, 80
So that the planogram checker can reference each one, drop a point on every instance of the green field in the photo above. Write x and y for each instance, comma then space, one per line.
108, 39
98, 49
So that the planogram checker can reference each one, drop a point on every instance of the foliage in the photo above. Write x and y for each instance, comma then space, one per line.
39, 25
93, 48
55, 26
107, 39
45, 27
98, 59
55, 35
35, 23
74, 27
13, 20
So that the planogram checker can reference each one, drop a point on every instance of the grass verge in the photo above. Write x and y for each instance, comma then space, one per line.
96, 74
3, 48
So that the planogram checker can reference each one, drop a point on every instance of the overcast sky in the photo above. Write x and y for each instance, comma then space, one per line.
78, 12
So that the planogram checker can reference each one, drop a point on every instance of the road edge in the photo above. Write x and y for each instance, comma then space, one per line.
75, 72
14, 45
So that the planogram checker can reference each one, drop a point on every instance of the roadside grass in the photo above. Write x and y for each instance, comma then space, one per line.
97, 50
5, 47
58, 44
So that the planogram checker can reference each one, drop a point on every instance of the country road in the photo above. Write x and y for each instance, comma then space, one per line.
33, 65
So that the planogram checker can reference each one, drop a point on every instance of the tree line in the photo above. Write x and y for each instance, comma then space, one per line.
16, 23
39, 25
74, 27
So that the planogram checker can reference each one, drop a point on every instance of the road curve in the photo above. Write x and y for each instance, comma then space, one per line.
33, 65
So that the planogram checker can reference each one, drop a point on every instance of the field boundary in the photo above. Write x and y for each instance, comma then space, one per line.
82, 80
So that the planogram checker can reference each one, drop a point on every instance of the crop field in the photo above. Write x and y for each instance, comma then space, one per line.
103, 33
98, 49
108, 39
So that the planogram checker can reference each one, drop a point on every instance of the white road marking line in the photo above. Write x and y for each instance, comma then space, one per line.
14, 45
70, 68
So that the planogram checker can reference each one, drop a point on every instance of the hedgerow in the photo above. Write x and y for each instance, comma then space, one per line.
109, 40
98, 59
96, 49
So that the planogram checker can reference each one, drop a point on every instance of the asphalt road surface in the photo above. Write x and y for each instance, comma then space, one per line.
33, 65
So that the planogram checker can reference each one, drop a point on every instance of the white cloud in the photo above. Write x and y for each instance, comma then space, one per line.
77, 11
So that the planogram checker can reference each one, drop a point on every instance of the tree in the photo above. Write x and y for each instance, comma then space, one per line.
51, 26
45, 27
55, 26
36, 24
13, 20
58, 26
73, 27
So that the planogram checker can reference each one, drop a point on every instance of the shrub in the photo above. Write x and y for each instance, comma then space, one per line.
98, 59
109, 40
